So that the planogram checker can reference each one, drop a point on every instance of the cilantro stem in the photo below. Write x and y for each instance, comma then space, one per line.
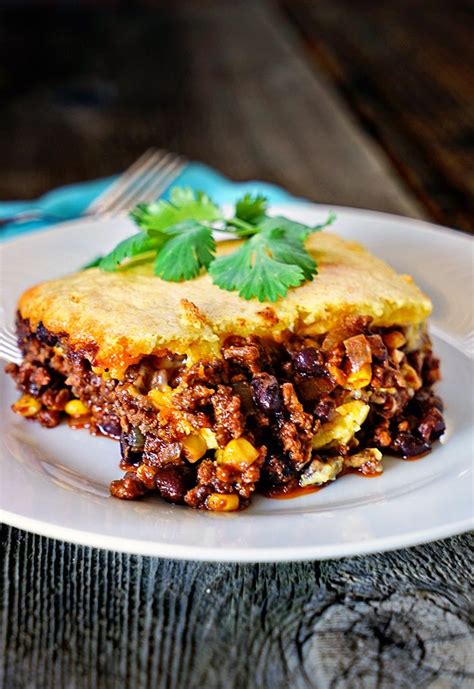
245, 229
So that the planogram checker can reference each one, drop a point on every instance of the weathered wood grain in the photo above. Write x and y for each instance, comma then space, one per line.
88, 619
222, 82
407, 69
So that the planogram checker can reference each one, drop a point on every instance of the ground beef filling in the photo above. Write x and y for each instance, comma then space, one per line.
299, 412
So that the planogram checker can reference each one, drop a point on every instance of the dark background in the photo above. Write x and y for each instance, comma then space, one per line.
85, 87
364, 103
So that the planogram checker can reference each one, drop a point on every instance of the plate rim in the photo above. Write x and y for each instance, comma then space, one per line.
234, 554
420, 223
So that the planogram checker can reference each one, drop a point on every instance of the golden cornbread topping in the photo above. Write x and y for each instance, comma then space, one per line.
122, 316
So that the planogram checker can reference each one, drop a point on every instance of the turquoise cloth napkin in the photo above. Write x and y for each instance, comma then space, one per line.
66, 203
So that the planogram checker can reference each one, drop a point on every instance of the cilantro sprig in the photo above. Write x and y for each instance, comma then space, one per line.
271, 258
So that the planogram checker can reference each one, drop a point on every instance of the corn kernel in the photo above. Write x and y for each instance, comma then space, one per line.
133, 390
102, 372
182, 425
161, 398
394, 340
219, 502
412, 379
397, 356
76, 408
361, 378
210, 438
27, 406
239, 453
194, 447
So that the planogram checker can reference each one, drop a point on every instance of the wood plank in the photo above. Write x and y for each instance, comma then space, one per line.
79, 618
408, 70
222, 83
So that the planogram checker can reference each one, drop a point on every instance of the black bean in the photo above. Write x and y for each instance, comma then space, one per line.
324, 409
266, 393
171, 484
408, 446
423, 401
109, 426
49, 417
309, 362
431, 425
129, 455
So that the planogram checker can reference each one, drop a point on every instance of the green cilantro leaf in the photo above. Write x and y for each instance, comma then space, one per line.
189, 248
255, 272
137, 244
289, 249
93, 263
293, 228
251, 209
228, 271
269, 279
271, 258
184, 204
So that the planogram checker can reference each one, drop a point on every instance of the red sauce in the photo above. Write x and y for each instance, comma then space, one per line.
289, 491
292, 490
415, 458
79, 422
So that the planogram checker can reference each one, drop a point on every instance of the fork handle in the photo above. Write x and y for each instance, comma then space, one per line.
27, 216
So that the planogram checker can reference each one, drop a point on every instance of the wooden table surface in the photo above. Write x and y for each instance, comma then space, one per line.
366, 104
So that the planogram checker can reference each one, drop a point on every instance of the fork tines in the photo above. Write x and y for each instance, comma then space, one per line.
9, 350
144, 181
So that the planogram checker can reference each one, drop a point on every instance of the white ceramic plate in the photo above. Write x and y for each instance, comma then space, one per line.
55, 482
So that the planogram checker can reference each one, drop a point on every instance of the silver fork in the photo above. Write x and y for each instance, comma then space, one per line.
144, 181
9, 350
